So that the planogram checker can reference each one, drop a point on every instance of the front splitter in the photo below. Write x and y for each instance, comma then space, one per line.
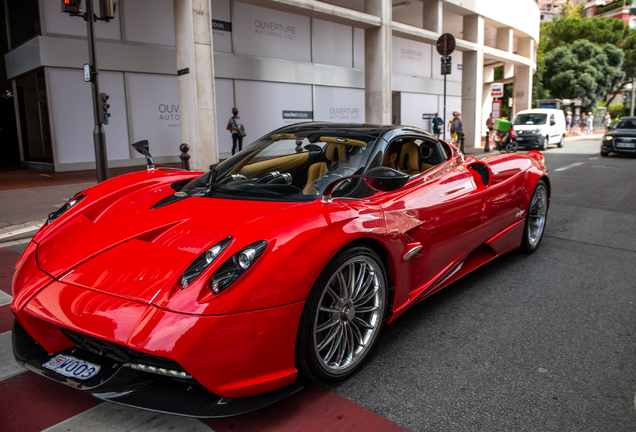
125, 386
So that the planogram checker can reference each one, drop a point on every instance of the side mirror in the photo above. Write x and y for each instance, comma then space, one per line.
143, 148
552, 123
382, 179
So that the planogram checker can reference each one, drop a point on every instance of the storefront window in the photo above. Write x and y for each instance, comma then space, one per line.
34, 118
24, 21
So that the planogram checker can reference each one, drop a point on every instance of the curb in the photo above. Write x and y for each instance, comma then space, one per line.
21, 231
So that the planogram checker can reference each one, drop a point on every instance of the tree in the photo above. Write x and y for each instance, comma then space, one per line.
583, 70
570, 11
600, 30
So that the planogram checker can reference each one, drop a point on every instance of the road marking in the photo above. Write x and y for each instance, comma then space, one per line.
567, 167
19, 231
594, 158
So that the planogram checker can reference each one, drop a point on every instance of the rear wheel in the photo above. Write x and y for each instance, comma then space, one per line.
544, 144
512, 147
343, 316
562, 141
535, 218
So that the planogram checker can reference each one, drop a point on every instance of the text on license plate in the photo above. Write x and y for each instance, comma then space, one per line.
72, 367
519, 139
624, 144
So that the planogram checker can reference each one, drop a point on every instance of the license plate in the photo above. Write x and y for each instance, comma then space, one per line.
625, 145
72, 367
519, 139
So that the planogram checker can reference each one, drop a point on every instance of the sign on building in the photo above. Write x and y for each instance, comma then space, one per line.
496, 90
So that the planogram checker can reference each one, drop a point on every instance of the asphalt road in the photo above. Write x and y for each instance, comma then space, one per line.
529, 342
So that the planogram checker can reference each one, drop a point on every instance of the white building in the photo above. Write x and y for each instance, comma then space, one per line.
278, 61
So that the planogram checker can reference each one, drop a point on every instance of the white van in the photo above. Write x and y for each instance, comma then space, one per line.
540, 127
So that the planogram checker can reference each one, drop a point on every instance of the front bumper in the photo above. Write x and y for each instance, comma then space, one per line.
116, 382
612, 146
529, 140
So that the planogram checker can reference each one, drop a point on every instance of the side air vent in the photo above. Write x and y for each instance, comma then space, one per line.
482, 170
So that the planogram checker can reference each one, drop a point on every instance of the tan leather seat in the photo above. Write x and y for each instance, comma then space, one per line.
409, 161
337, 156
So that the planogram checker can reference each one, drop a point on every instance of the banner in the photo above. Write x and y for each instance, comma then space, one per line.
333, 43
154, 109
411, 57
269, 33
338, 104
71, 108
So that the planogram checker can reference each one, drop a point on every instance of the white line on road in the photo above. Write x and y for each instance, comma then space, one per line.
19, 231
594, 158
575, 164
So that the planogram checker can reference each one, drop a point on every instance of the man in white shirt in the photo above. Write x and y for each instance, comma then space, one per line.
235, 125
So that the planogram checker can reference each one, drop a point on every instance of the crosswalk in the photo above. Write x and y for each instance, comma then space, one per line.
30, 402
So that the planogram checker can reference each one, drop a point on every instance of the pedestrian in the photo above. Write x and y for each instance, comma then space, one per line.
438, 124
235, 125
568, 123
455, 127
590, 123
584, 123
489, 124
576, 122
607, 121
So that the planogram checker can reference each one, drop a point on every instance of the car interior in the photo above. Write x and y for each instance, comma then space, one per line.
418, 155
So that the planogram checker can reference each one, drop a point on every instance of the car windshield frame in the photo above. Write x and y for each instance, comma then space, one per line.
329, 153
631, 122
541, 117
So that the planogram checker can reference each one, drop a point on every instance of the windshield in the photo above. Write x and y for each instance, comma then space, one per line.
626, 123
296, 164
530, 119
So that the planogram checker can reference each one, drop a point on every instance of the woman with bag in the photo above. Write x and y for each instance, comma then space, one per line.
235, 125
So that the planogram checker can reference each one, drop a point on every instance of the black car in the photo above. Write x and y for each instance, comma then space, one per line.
620, 138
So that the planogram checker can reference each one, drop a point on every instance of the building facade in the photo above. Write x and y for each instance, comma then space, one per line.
174, 69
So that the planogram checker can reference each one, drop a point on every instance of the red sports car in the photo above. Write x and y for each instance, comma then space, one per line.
213, 294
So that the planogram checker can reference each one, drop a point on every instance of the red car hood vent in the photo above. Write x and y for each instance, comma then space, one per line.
133, 250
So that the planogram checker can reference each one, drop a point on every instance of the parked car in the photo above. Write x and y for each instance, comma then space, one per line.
211, 294
540, 127
620, 138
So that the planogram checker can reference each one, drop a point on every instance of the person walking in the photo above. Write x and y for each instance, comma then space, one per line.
489, 124
455, 127
590, 123
568, 123
607, 121
438, 124
576, 122
584, 123
235, 125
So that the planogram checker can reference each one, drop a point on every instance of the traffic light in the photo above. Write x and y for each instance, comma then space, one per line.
104, 115
107, 9
70, 6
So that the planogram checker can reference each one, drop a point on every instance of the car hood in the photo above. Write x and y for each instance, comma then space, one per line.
527, 127
621, 133
116, 243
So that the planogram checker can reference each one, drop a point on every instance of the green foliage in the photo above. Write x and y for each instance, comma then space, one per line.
599, 30
570, 11
616, 110
583, 70
612, 6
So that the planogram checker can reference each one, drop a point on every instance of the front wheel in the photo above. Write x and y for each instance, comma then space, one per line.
604, 153
544, 144
535, 218
343, 316
512, 147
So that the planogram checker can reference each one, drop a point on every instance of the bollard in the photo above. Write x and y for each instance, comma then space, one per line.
184, 156
461, 140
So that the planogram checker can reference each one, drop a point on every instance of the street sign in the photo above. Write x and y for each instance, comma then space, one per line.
496, 108
446, 44
447, 65
578, 102
496, 90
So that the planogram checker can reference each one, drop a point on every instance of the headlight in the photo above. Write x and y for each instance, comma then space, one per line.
536, 131
70, 203
235, 266
202, 262
609, 137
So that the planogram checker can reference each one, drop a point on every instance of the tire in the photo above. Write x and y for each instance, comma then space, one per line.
604, 154
329, 347
561, 142
544, 144
536, 217
512, 147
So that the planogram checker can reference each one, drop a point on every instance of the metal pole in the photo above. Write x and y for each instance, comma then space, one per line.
444, 107
99, 137
631, 111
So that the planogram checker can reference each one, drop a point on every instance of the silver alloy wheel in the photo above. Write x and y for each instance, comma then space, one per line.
537, 215
349, 315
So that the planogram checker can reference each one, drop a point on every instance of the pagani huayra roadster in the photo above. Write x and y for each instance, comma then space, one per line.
213, 294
